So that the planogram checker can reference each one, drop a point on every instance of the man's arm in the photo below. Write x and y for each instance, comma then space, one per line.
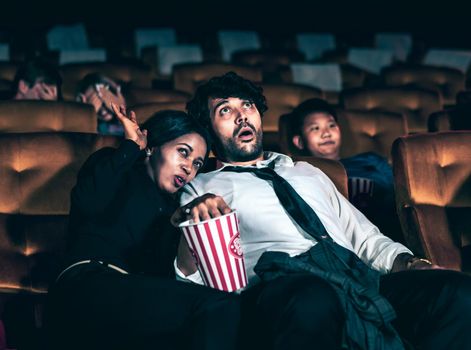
373, 247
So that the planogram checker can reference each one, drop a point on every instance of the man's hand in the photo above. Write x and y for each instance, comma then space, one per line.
406, 261
423, 264
131, 128
202, 208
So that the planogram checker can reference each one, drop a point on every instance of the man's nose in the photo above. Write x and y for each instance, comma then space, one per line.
241, 117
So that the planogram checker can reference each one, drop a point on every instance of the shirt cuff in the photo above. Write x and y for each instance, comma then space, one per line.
180, 276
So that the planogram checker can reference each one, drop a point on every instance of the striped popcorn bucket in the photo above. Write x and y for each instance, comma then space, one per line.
215, 244
359, 186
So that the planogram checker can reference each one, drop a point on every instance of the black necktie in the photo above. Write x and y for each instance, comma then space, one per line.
297, 208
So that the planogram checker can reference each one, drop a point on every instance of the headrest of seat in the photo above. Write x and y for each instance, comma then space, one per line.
38, 170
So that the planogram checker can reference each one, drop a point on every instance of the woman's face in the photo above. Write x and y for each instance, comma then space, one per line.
176, 162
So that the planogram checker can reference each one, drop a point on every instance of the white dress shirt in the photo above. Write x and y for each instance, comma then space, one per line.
266, 226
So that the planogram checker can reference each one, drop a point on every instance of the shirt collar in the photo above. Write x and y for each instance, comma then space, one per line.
278, 158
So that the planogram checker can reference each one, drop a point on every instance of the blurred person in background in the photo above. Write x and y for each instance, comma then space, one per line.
37, 80
100, 91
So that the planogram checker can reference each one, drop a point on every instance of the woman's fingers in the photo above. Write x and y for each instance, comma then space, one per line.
132, 116
117, 111
204, 208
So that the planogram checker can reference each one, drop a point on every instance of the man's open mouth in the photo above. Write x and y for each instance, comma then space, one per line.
246, 134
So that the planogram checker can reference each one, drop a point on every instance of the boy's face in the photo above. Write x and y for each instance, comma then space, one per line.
238, 127
321, 136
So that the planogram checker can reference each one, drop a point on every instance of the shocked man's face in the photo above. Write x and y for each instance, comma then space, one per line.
237, 125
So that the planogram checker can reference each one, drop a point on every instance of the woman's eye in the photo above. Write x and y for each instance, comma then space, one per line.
183, 152
315, 128
198, 165
248, 105
333, 125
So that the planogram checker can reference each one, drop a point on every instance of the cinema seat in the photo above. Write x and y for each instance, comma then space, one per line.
447, 81
146, 110
187, 76
433, 195
415, 103
137, 95
455, 118
45, 116
369, 131
37, 172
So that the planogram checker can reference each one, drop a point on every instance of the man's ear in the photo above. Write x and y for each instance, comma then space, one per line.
23, 87
298, 142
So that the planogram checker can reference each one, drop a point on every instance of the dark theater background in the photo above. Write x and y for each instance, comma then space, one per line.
442, 23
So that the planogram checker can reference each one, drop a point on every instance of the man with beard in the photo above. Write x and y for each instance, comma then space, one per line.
313, 261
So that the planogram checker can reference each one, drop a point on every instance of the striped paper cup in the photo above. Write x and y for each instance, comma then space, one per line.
215, 244
360, 186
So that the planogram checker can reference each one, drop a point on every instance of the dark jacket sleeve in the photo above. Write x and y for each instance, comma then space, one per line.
102, 175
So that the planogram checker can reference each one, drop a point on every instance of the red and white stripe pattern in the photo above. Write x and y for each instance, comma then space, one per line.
359, 185
216, 245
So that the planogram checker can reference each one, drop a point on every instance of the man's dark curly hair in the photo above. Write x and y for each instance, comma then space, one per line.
227, 85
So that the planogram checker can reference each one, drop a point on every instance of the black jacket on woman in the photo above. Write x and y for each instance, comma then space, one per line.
119, 216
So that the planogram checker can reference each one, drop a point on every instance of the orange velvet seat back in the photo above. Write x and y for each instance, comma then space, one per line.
369, 131
187, 77
146, 110
415, 103
44, 116
433, 195
448, 81
138, 95
37, 173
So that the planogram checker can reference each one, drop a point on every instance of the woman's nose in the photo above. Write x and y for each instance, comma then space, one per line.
186, 166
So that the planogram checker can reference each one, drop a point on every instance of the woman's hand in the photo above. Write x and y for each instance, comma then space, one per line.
131, 128
202, 208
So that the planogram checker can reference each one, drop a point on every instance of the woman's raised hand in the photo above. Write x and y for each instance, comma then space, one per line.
131, 128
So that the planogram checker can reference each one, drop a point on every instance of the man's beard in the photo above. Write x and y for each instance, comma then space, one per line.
232, 151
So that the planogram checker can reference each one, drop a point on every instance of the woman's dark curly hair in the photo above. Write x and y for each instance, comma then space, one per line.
227, 85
